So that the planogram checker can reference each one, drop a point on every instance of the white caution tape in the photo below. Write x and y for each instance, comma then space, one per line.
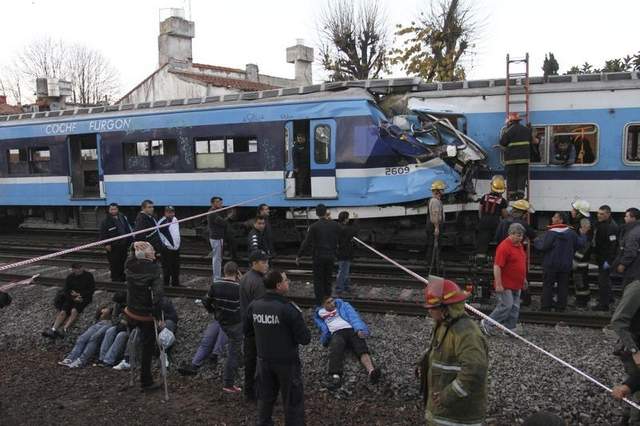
120, 237
500, 326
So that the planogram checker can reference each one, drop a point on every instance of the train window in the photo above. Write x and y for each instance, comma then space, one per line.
39, 160
136, 149
632, 141
18, 161
166, 147
322, 134
209, 153
242, 144
90, 154
539, 150
573, 144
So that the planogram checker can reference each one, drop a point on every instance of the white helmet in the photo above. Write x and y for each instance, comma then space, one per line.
582, 206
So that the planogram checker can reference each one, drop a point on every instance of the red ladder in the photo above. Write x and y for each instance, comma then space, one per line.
517, 87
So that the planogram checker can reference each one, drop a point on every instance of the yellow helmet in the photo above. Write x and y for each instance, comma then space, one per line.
438, 185
522, 205
498, 184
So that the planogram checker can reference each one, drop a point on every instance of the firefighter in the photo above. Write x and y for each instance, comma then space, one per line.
580, 221
453, 370
491, 208
516, 141
435, 221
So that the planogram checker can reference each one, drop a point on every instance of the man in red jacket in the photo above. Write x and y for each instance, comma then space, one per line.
510, 275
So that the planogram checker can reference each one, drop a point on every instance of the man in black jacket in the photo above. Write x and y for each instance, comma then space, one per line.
301, 164
251, 288
516, 141
114, 225
256, 240
323, 237
264, 211
146, 220
346, 248
278, 327
71, 301
628, 259
144, 295
605, 244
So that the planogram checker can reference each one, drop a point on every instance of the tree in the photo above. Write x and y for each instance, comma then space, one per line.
550, 65
93, 79
353, 40
12, 84
434, 45
627, 63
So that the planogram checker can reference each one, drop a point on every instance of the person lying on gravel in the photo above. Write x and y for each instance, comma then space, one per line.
71, 300
341, 327
88, 343
453, 370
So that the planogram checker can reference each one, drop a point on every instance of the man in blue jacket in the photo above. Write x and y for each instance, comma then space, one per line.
341, 326
559, 245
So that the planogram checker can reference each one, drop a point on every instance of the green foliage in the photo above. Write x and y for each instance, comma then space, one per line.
550, 65
628, 63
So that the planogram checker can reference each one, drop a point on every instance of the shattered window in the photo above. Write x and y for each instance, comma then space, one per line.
322, 135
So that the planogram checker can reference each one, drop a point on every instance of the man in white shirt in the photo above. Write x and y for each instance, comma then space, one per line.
170, 237
340, 327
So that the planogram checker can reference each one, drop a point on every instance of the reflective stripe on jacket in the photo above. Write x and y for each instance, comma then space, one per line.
456, 369
516, 140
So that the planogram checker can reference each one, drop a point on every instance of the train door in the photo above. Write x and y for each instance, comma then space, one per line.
298, 159
84, 167
322, 134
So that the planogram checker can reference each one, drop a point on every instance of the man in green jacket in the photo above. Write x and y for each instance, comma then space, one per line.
453, 370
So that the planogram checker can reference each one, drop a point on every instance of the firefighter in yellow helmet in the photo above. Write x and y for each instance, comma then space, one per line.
435, 220
492, 207
453, 370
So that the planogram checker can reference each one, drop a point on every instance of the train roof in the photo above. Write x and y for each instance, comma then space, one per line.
355, 89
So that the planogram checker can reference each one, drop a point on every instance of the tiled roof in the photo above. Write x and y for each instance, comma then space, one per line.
234, 83
217, 68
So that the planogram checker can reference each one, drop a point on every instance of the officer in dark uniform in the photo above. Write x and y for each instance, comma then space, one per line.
114, 225
278, 327
516, 141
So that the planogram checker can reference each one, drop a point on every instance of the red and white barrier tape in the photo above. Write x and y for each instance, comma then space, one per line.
120, 237
500, 326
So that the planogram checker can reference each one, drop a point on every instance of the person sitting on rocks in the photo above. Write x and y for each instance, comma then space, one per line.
115, 338
341, 327
88, 343
71, 300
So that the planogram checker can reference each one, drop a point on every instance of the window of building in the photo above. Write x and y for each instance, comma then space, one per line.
573, 144
322, 134
210, 153
632, 143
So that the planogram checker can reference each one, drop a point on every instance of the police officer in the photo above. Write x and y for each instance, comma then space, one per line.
516, 141
492, 207
278, 327
435, 223
628, 259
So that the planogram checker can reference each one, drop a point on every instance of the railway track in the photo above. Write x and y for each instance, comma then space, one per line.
379, 306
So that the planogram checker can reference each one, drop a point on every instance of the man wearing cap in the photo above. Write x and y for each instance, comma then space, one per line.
518, 214
435, 220
516, 141
144, 295
453, 370
170, 237
510, 276
492, 207
251, 288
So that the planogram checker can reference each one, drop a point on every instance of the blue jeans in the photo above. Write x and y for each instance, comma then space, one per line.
87, 344
216, 258
113, 345
507, 310
213, 341
234, 352
342, 280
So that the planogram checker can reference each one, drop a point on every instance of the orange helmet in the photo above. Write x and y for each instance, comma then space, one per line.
442, 292
513, 116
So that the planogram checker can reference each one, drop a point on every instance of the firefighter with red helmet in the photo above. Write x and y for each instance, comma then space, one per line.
453, 370
516, 141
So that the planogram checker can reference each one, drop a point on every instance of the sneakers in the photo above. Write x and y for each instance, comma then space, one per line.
188, 370
374, 376
335, 381
75, 364
124, 365
232, 389
65, 362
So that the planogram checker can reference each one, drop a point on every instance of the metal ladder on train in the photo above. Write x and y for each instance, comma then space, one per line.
517, 93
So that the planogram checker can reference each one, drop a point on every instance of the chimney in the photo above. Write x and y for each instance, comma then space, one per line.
174, 41
302, 57
252, 72
3, 100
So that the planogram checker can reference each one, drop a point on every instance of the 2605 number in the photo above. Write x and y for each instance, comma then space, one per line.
393, 171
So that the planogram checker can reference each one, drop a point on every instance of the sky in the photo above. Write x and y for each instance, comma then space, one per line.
234, 33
